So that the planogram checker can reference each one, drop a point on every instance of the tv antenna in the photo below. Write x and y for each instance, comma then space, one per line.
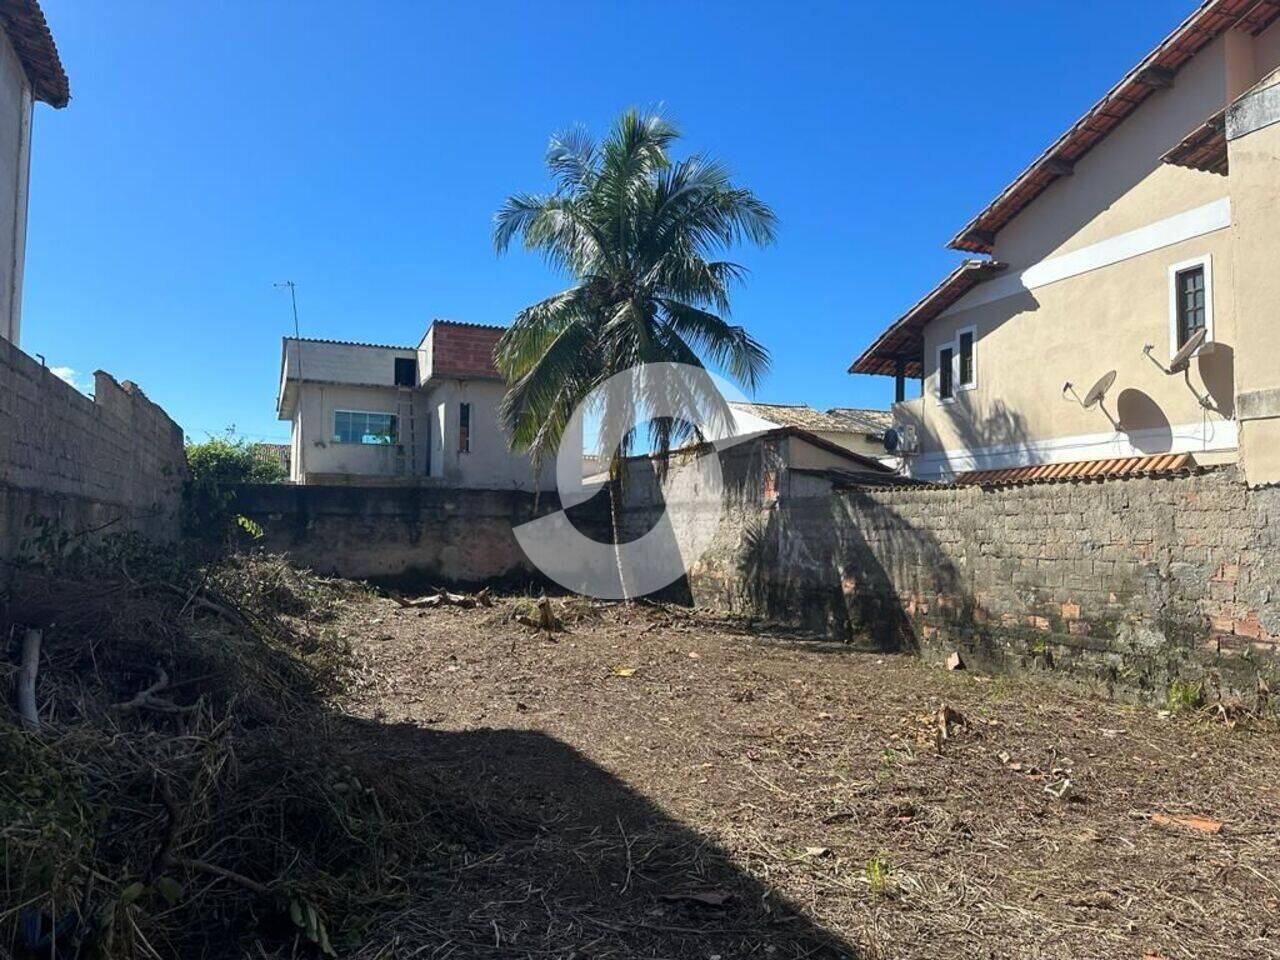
1095, 396
1181, 363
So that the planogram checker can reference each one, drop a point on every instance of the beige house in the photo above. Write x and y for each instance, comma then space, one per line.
375, 414
858, 430
30, 70
1153, 220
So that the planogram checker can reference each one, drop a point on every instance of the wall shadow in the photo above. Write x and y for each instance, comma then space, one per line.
1217, 373
1144, 422
568, 860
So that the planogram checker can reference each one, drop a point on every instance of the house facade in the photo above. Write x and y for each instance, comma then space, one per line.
1150, 223
377, 414
30, 70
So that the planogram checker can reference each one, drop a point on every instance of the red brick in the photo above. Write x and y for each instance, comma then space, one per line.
1250, 628
1078, 629
1071, 611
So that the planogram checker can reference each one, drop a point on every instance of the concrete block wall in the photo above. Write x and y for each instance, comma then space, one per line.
410, 534
1122, 585
113, 463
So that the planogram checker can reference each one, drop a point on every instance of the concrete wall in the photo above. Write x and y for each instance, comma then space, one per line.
421, 533
15, 157
1121, 585
110, 464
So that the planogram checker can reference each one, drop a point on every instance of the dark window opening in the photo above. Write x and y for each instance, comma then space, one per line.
406, 372
464, 428
966, 359
1189, 290
946, 374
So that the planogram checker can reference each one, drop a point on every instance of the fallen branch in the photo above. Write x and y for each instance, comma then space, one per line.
147, 698
27, 679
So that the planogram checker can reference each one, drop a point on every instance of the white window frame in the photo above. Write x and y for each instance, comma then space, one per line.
937, 389
376, 413
1205, 261
956, 385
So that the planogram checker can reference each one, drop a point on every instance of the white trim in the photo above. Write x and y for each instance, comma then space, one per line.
1201, 437
1205, 261
955, 378
1125, 246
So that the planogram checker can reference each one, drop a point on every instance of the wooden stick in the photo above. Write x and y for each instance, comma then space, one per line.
27, 678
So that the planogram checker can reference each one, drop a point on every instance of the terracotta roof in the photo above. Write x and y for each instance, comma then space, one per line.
861, 420
805, 417
28, 32
1210, 19
904, 340
1168, 464
1204, 148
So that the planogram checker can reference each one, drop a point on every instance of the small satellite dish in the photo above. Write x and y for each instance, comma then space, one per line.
1183, 356
1099, 390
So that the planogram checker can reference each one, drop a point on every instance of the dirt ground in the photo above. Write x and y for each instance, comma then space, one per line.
655, 783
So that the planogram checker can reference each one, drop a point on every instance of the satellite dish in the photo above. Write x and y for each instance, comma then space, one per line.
1099, 390
1183, 356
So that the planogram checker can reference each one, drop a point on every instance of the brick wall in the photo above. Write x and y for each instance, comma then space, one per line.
113, 463
1123, 585
463, 350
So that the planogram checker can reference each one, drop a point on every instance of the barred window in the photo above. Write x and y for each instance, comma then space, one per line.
1189, 288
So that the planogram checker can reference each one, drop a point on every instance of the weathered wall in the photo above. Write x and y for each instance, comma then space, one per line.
111, 464
1122, 584
396, 532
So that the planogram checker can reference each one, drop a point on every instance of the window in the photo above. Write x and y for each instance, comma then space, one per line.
354, 426
406, 372
967, 375
464, 428
1190, 302
946, 373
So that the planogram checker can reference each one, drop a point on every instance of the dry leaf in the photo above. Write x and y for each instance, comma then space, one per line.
624, 671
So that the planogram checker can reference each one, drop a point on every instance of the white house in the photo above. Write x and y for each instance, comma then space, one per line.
30, 70
375, 413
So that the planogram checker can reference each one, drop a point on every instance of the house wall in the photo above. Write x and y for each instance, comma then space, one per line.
87, 467
324, 455
1088, 286
1253, 131
490, 462
15, 156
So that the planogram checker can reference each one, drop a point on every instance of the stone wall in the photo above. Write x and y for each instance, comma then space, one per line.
423, 534
106, 465
1122, 584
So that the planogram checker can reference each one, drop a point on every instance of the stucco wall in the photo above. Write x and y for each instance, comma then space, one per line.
1254, 153
111, 464
15, 153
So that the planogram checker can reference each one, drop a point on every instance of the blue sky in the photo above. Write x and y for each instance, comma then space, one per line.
211, 150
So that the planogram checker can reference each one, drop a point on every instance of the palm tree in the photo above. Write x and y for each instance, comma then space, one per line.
639, 233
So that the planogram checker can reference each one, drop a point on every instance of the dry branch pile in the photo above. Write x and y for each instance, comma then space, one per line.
184, 794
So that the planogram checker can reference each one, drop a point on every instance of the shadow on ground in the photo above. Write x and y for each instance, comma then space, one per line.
567, 861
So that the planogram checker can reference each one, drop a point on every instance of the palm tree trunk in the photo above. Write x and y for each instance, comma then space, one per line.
615, 517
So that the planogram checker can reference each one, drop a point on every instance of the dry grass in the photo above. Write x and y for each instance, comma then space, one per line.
343, 773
